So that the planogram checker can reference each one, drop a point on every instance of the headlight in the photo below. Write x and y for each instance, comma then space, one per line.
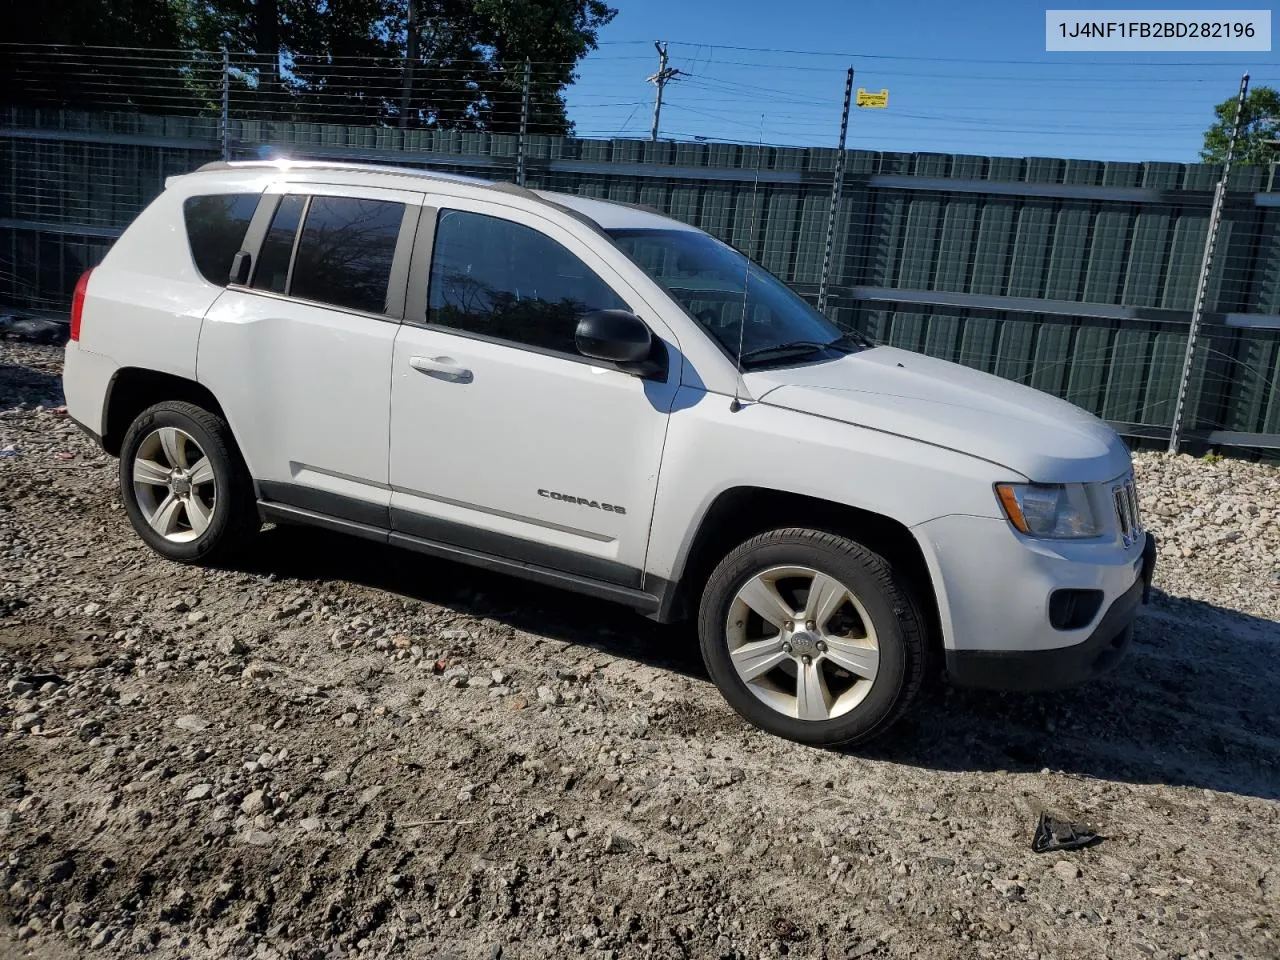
1057, 510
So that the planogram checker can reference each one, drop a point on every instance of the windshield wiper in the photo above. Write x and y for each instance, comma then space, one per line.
790, 346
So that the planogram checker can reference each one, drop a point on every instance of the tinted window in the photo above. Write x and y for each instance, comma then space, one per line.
272, 271
215, 230
501, 279
344, 256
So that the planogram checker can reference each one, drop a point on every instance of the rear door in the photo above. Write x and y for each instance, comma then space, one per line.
300, 357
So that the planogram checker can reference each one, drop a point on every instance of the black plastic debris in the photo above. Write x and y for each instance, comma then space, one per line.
34, 329
1054, 834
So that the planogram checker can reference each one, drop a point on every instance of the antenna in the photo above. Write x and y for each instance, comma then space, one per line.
736, 405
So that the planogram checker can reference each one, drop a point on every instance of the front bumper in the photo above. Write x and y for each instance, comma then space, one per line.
1059, 667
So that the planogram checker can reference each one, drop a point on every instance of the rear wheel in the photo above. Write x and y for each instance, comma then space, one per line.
812, 637
185, 488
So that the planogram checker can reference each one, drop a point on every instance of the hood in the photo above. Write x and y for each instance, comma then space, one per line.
948, 405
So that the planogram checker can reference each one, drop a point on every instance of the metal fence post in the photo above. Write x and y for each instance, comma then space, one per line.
837, 182
524, 122
1206, 264
225, 126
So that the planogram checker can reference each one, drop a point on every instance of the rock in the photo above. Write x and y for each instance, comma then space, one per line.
191, 723
616, 843
309, 824
256, 837
201, 791
25, 722
548, 695
102, 939
256, 671
92, 609
17, 687
253, 803
1067, 871
1011, 889
58, 871
401, 642
498, 676
197, 616
230, 646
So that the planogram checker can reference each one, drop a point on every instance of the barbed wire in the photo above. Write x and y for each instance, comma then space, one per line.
81, 161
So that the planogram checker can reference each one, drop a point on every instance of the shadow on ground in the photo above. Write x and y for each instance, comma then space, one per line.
23, 384
1196, 703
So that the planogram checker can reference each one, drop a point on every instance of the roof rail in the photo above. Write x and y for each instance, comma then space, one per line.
283, 163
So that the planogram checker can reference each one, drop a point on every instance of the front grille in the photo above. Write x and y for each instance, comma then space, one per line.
1125, 496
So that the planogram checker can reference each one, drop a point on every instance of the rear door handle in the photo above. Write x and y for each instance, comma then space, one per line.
442, 368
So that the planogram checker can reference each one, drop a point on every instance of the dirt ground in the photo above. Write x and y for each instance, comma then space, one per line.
344, 750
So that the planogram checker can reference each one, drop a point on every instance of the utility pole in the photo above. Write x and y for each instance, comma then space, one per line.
410, 60
1206, 265
837, 182
660, 78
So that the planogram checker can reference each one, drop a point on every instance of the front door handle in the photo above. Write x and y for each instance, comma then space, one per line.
442, 368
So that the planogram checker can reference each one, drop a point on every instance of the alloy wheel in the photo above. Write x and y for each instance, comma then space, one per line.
174, 484
802, 643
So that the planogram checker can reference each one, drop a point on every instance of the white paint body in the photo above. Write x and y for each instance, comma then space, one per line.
337, 402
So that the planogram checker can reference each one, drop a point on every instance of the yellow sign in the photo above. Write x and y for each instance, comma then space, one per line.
875, 100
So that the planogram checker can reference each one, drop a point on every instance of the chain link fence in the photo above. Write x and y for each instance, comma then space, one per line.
1076, 277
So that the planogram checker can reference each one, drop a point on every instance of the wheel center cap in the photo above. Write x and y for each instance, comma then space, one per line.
804, 642
181, 486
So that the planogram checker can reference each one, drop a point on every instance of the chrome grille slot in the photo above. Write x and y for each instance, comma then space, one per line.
1125, 495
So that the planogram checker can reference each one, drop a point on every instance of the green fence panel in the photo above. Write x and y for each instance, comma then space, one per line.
991, 252
1126, 375
1031, 244
59, 191
1103, 275
1089, 361
920, 243
1069, 254
1052, 358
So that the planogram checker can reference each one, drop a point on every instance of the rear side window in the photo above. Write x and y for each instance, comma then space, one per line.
503, 279
345, 252
216, 226
272, 272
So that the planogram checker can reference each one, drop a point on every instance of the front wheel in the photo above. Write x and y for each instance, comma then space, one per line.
812, 637
185, 488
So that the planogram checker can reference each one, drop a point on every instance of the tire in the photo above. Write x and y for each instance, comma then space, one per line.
840, 681
204, 512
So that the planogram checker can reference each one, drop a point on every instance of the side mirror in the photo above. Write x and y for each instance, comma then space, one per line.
241, 265
614, 335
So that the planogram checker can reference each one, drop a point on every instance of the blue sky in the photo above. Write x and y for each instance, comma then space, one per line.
963, 78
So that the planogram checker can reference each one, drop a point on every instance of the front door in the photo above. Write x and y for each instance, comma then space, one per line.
504, 439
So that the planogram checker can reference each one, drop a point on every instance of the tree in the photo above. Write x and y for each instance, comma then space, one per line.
1259, 124
412, 63
456, 64
51, 64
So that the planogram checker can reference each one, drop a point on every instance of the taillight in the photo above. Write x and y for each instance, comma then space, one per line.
77, 303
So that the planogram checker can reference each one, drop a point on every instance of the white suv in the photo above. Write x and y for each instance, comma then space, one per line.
602, 399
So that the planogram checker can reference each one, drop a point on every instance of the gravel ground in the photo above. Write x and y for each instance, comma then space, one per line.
341, 750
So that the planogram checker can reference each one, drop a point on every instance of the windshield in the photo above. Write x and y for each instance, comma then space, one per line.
707, 277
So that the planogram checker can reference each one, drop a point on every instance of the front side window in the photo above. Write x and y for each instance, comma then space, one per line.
345, 252
504, 280
748, 310
216, 225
